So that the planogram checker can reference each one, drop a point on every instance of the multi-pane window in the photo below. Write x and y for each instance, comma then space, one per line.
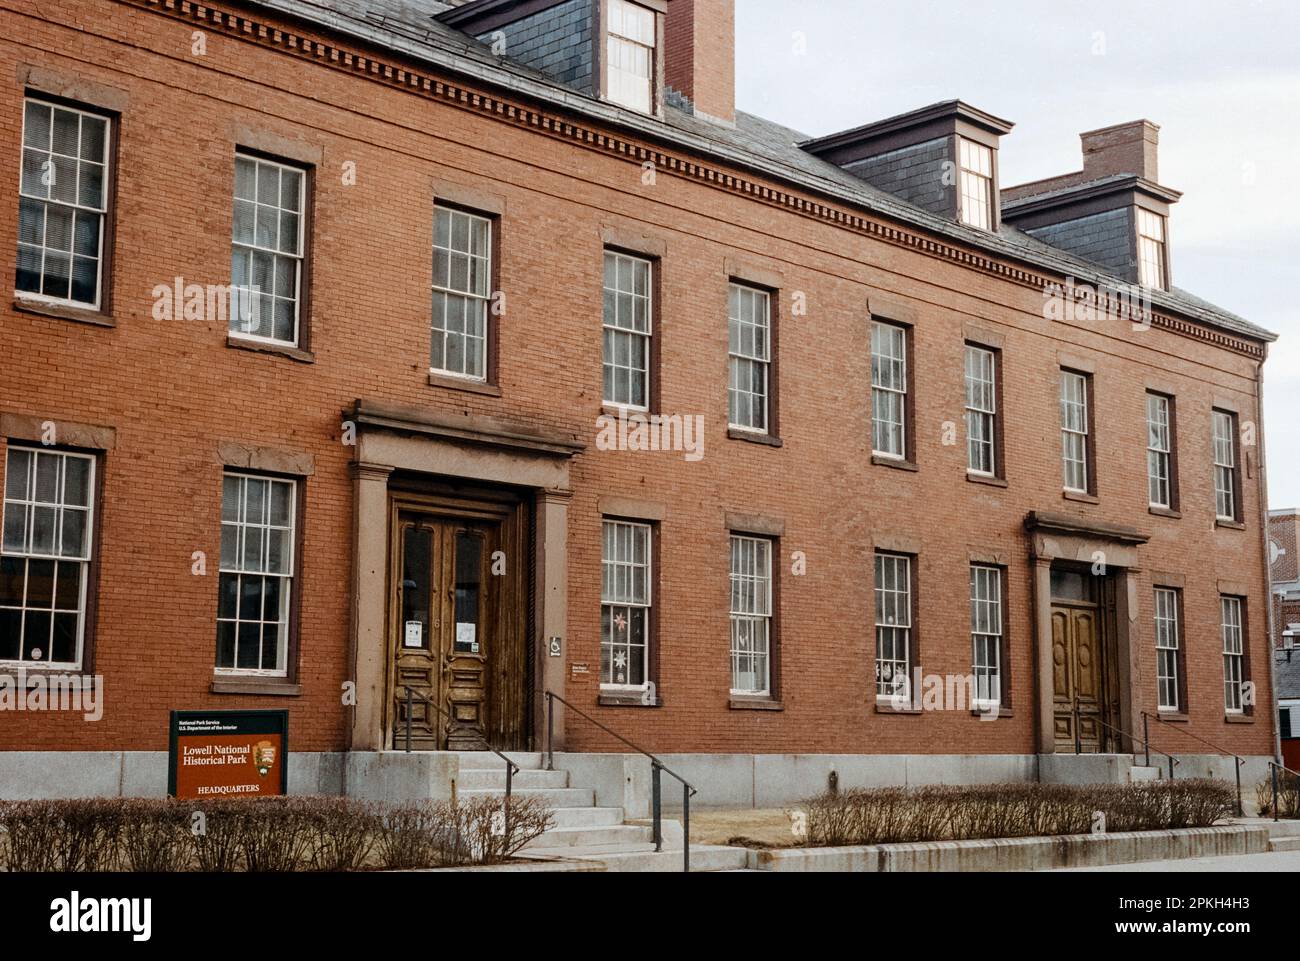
986, 633
751, 615
625, 604
462, 272
889, 390
266, 258
1225, 465
976, 184
750, 348
630, 47
257, 569
1151, 249
1167, 640
45, 556
1074, 430
1234, 655
893, 623
627, 326
1159, 451
63, 204
981, 410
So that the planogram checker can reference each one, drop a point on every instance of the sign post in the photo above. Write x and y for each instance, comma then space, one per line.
228, 754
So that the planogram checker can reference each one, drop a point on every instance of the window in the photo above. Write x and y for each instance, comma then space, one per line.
1151, 249
981, 410
1167, 650
45, 556
751, 615
266, 259
62, 204
625, 605
257, 568
889, 390
976, 184
631, 55
627, 325
1074, 430
986, 633
1234, 655
462, 278
1160, 451
750, 349
1225, 465
893, 623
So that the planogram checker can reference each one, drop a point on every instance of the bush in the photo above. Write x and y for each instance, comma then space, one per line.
949, 813
263, 834
1288, 797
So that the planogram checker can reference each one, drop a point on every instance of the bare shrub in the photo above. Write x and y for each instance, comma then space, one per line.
1288, 797
341, 833
155, 836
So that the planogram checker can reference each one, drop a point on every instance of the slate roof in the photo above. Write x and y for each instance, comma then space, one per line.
1286, 668
407, 27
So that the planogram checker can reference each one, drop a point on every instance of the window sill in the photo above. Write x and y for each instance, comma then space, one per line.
1173, 717
898, 463
1238, 719
622, 413
32, 670
273, 687
885, 705
986, 479
464, 383
754, 437
1080, 497
1001, 713
627, 699
81, 315
1229, 525
1165, 512
741, 702
279, 350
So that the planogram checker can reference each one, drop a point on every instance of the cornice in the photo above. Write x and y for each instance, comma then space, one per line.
427, 84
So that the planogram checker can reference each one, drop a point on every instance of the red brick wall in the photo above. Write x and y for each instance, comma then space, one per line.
174, 390
1282, 531
700, 54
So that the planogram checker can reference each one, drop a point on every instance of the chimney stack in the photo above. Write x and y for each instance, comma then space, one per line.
1126, 148
700, 56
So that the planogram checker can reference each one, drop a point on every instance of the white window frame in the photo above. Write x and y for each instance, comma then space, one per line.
981, 410
626, 602
622, 43
241, 291
1160, 451
1234, 661
1152, 264
618, 326
77, 208
986, 627
1168, 643
751, 608
238, 570
976, 163
1074, 431
476, 292
57, 509
1224, 444
749, 349
889, 381
893, 591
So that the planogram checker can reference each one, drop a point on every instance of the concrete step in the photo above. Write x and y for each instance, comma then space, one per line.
587, 837
643, 857
1283, 829
586, 817
487, 761
475, 779
568, 797
1284, 843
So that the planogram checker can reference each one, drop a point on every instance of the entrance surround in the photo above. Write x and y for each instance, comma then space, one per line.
1068, 538
472, 448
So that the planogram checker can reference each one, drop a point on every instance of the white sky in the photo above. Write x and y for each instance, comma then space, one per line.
1220, 77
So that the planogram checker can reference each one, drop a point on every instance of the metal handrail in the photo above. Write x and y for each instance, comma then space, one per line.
511, 767
1195, 737
656, 767
1274, 767
1145, 744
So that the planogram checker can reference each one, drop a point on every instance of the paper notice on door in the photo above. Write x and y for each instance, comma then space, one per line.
414, 634
467, 636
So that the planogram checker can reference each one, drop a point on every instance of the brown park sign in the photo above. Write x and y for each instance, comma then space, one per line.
215, 754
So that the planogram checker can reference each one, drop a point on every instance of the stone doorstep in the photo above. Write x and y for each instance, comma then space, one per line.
1022, 854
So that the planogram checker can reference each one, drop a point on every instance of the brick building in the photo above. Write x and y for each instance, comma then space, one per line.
486, 349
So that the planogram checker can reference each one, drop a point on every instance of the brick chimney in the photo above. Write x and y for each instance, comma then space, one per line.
1126, 148
700, 55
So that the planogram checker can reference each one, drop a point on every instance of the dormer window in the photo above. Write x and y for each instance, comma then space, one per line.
1151, 249
630, 48
976, 184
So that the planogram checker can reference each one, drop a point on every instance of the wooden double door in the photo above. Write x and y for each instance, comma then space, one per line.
458, 623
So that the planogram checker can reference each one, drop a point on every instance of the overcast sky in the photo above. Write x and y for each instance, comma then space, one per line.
1220, 77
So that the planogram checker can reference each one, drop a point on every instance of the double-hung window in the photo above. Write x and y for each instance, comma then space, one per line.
986, 633
45, 556
630, 52
976, 184
625, 605
893, 624
751, 615
628, 329
62, 204
1151, 249
981, 411
1225, 465
258, 521
266, 258
462, 279
889, 390
749, 339
1167, 650
1074, 430
1159, 451
1234, 654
